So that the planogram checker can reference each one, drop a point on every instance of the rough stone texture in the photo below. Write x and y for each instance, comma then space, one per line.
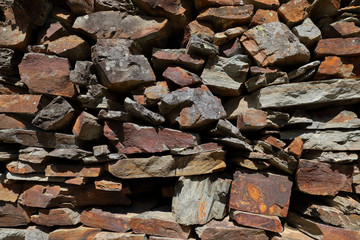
308, 33
9, 192
8, 62
119, 236
231, 33
86, 127
322, 178
62, 170
251, 119
81, 7
304, 72
19, 167
181, 77
197, 200
46, 74
106, 5
334, 67
264, 16
25, 104
16, 37
155, 93
294, 11
296, 147
199, 46
331, 157
71, 154
83, 73
143, 113
13, 215
266, 79
323, 8
56, 217
341, 29
264, 4
33, 155
338, 47
267, 194
201, 4
72, 47
74, 233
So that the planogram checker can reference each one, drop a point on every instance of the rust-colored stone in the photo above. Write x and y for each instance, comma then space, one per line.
19, 167
15, 36
78, 181
267, 194
62, 170
56, 217
341, 29
338, 47
201, 4
14, 103
86, 127
294, 11
181, 77
65, 17
112, 185
9, 192
334, 67
47, 74
263, 4
9, 121
81, 7
80, 233
53, 32
264, 16
269, 223
72, 47
318, 178
202, 29
252, 119
296, 147
13, 215
273, 141
155, 93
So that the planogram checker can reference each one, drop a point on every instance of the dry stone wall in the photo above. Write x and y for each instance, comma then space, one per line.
179, 119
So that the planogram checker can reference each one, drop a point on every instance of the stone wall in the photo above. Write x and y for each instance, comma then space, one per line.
179, 119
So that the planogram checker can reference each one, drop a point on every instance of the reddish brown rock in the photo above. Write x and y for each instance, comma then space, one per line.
252, 119
35, 12
81, 7
291, 233
159, 224
65, 17
47, 74
338, 47
202, 29
62, 170
259, 193
273, 141
155, 93
56, 217
222, 38
201, 4
7, 121
322, 178
294, 11
13, 215
86, 127
341, 29
181, 77
78, 181
40, 196
296, 147
53, 32
79, 233
334, 67
119, 236
98, 218
131, 138
264, 16
263, 4
112, 185
25, 104
269, 223
19, 167
9, 192
228, 16
15, 36
72, 47
324, 8
33, 155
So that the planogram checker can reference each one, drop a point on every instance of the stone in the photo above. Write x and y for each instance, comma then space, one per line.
13, 215
114, 115
72, 47
23, 234
277, 143
226, 128
256, 42
119, 236
86, 127
199, 199
199, 46
224, 76
251, 119
294, 11
19, 167
106, 5
229, 34
160, 224
9, 89
97, 97
296, 74
161, 59
322, 178
226, 17
130, 138
201, 4
97, 218
296, 147
143, 113
334, 67
8, 121
81, 7
23, 104
33, 177
9, 191
33, 155
330, 157
323, 8
267, 194
303, 94
36, 12
262, 16
231, 48
36, 69
206, 147
83, 73
233, 143
202, 29
74, 233
53, 31
57, 115
266, 79
56, 217
71, 154
118, 69
15, 36
155, 93
235, 106
344, 203
117, 25
263, 4
226, 229
8, 62
308, 33
112, 185
78, 181
338, 47
291, 233
62, 170
252, 164
341, 29
101, 150
269, 223
181, 77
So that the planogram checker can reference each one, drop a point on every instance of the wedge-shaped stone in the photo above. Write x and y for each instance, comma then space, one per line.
273, 44
322, 178
25, 104
199, 199
72, 47
294, 11
15, 36
267, 194
199, 46
78, 233
158, 223
86, 127
331, 157
344, 203
143, 113
19, 167
201, 4
47, 74
316, 93
338, 47
33, 155
181, 77
62, 170
9, 192
33, 177
202, 29
119, 236
291, 233
13, 215
71, 154
56, 217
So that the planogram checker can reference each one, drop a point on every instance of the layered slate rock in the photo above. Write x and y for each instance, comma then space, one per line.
13, 215
72, 47
74, 233
338, 47
181, 77
25, 103
56, 217
273, 44
294, 11
16, 37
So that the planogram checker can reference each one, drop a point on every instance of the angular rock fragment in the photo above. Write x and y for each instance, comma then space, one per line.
101, 150
264, 16
143, 113
15, 37
331, 157
291, 233
114, 115
62, 170
199, 199
97, 97
231, 33
296, 147
234, 143
71, 154
33, 177
160, 224
341, 29
263, 4
273, 44
13, 215
201, 29
72, 47
304, 72
252, 119
8, 62
106, 5
308, 33
56, 217
55, 116
201, 4
19, 167
199, 46
322, 178
277, 143
119, 236
334, 67
323, 8
33, 155
81, 7
86, 127
46, 74
181, 77
54, 31
23, 234
111, 185
9, 192
344, 203
338, 47
25, 104
294, 11
155, 93
74, 233
266, 79
83, 73
226, 128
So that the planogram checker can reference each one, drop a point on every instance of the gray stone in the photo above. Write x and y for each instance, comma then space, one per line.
143, 113
224, 76
345, 204
116, 236
83, 73
72, 154
55, 116
101, 150
114, 115
232, 142
226, 128
313, 94
33, 155
266, 79
12, 234
123, 5
276, 119
199, 199
294, 75
330, 157
33, 177
103, 158
273, 44
308, 33
86, 127
8, 62
199, 46
97, 97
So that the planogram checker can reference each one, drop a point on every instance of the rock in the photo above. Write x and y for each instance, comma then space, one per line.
201, 4
308, 33
81, 7
264, 16
202, 29
255, 193
74, 233
297, 74
35, 12
199, 46
322, 8
19, 167
118, 69
72, 47
114, 24
13, 215
181, 77
101, 150
334, 67
36, 69
322, 178
155, 93
296, 147
83, 73
341, 29
270, 223
266, 79
303, 94
277, 143
226, 17
71, 154
78, 181
143, 113
230, 71
232, 48
119, 236
86, 127
52, 32
264, 4
229, 34
199, 199
344, 203
251, 119
114, 115
15, 37
235, 106
33, 177
57, 115
56, 217
206, 147
252, 164
106, 5
97, 218
111, 185
131, 138
226, 128
215, 230
9, 192
9, 60
63, 170
338, 47
265, 45
294, 11
25, 104
291, 233
97, 97
33, 155
160, 224
331, 157
161, 59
